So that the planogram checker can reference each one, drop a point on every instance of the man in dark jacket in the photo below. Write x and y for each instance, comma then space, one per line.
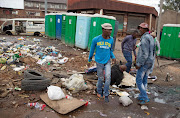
117, 74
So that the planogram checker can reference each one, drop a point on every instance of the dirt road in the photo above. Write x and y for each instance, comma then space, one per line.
164, 95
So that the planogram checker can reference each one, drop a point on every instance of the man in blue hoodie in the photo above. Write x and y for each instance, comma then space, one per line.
103, 45
144, 61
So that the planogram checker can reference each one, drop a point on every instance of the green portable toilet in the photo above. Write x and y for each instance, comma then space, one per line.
70, 31
52, 26
63, 30
170, 41
46, 24
96, 29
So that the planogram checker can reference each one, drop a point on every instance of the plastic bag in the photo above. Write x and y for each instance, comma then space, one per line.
125, 100
76, 83
62, 61
55, 93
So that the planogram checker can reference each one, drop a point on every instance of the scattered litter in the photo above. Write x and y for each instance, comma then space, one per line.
37, 105
55, 93
122, 93
153, 78
84, 53
159, 100
126, 101
155, 94
24, 96
128, 80
59, 55
17, 88
62, 61
115, 86
62, 106
91, 69
3, 68
36, 40
103, 115
21, 38
147, 113
3, 60
69, 97
19, 68
143, 107
75, 83
167, 77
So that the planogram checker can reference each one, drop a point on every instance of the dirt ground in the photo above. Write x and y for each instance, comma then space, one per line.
164, 95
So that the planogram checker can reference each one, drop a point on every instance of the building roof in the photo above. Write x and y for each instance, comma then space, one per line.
110, 5
51, 1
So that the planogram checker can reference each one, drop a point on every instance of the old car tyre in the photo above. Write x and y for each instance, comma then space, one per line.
35, 84
32, 74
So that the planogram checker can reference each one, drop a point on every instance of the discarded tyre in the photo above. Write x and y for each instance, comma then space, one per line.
33, 74
32, 84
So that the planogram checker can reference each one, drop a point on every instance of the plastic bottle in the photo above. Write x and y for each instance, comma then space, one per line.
68, 97
37, 105
84, 101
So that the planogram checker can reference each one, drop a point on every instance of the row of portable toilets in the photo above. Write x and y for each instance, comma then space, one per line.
76, 29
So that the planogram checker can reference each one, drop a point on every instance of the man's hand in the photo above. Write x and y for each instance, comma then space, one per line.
137, 67
113, 61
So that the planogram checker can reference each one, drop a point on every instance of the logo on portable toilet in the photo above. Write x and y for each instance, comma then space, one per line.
94, 23
70, 21
59, 20
64, 17
169, 35
50, 19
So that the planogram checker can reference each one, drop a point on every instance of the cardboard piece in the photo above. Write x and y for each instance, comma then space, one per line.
128, 80
64, 105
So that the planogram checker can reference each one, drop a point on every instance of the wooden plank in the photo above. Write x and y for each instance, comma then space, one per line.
62, 106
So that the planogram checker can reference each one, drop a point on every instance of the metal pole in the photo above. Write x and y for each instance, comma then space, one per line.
159, 20
45, 7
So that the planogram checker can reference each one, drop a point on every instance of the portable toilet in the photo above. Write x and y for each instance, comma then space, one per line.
95, 29
70, 30
46, 24
170, 41
58, 25
63, 29
82, 30
50, 25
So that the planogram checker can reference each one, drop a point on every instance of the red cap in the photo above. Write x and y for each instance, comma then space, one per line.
144, 25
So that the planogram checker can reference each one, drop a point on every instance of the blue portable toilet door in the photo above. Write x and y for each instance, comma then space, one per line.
82, 31
58, 26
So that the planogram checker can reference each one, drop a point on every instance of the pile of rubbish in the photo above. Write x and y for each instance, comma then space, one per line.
13, 52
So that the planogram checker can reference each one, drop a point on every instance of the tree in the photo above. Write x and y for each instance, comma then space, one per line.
172, 5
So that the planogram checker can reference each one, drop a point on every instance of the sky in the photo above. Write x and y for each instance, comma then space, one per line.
153, 3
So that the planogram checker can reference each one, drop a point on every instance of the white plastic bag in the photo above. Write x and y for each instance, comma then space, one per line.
62, 61
76, 83
125, 100
55, 93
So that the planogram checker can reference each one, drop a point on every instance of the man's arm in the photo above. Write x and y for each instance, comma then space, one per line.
144, 52
112, 54
93, 45
122, 44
